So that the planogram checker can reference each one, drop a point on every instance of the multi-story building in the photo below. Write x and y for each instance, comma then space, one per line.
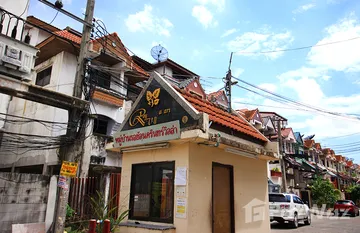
112, 75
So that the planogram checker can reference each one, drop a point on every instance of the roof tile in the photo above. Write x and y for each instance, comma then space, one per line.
222, 117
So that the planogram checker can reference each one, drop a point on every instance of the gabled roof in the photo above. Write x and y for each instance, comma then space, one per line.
73, 36
309, 143
299, 138
218, 97
250, 114
266, 114
222, 117
33, 20
318, 146
177, 68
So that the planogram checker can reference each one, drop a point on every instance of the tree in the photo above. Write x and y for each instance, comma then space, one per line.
323, 192
354, 191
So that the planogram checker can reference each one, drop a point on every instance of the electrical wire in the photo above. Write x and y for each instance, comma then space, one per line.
26, 6
299, 48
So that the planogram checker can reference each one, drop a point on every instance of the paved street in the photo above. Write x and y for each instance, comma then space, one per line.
348, 225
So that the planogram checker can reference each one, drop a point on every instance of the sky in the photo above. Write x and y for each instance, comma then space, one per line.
201, 34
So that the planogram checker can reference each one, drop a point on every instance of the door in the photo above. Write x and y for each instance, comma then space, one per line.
222, 199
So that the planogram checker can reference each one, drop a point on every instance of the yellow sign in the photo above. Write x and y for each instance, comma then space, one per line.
153, 98
68, 169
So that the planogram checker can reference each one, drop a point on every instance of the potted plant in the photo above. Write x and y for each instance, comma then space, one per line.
276, 172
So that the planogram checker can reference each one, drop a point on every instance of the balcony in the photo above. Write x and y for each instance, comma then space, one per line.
17, 58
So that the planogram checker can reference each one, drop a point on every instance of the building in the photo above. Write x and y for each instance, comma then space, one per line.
197, 157
113, 76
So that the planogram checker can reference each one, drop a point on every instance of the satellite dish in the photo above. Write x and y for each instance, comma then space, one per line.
159, 53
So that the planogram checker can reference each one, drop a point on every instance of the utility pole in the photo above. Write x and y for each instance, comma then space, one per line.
229, 83
74, 152
282, 163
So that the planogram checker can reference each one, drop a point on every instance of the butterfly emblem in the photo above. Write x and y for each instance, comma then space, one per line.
153, 97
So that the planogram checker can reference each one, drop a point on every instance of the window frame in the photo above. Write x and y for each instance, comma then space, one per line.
132, 187
38, 79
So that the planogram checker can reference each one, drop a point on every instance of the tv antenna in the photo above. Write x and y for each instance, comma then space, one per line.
159, 53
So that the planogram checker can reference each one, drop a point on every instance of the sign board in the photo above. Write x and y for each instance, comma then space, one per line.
180, 176
68, 169
181, 207
156, 133
62, 183
156, 106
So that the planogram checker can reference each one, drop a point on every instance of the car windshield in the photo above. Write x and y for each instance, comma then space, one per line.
279, 198
343, 202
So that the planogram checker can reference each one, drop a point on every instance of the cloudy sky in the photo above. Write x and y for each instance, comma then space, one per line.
201, 34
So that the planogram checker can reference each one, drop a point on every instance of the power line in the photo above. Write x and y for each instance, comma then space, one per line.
299, 48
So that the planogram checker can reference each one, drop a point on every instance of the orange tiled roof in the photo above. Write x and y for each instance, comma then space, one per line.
67, 35
309, 143
222, 117
216, 94
250, 114
99, 95
318, 146
96, 45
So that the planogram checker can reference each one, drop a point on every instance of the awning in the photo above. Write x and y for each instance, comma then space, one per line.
331, 173
292, 161
321, 167
309, 164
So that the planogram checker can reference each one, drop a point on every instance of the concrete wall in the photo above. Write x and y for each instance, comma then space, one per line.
250, 182
4, 100
178, 153
23, 199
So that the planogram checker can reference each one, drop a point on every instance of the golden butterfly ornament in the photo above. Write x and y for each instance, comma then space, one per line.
153, 97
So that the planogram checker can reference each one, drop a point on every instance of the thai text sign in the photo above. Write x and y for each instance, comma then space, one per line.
68, 169
155, 133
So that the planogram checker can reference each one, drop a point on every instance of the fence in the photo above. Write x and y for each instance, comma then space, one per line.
115, 181
82, 189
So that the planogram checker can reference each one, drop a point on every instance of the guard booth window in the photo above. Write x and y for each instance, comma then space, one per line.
152, 192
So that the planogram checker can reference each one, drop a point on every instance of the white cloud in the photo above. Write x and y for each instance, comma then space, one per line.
357, 82
308, 90
67, 2
236, 72
146, 21
268, 86
303, 8
218, 4
339, 56
311, 72
228, 32
252, 43
204, 16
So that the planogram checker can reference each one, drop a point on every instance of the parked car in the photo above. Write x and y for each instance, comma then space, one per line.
288, 208
343, 207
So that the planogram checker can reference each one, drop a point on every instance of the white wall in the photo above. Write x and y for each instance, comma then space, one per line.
4, 100
37, 35
164, 70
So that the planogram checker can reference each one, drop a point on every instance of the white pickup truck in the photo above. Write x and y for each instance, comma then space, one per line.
288, 208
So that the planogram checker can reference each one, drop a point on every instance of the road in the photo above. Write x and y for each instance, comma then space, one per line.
335, 225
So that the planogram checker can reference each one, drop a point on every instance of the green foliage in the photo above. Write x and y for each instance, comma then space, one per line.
276, 169
104, 211
69, 212
354, 191
323, 192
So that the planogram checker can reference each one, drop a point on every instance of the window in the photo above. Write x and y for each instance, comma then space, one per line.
297, 200
100, 126
152, 192
102, 79
43, 77
279, 198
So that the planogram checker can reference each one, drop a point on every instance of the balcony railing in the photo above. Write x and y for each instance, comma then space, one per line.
17, 57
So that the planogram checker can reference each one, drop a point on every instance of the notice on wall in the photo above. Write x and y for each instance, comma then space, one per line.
180, 176
68, 169
181, 207
62, 183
